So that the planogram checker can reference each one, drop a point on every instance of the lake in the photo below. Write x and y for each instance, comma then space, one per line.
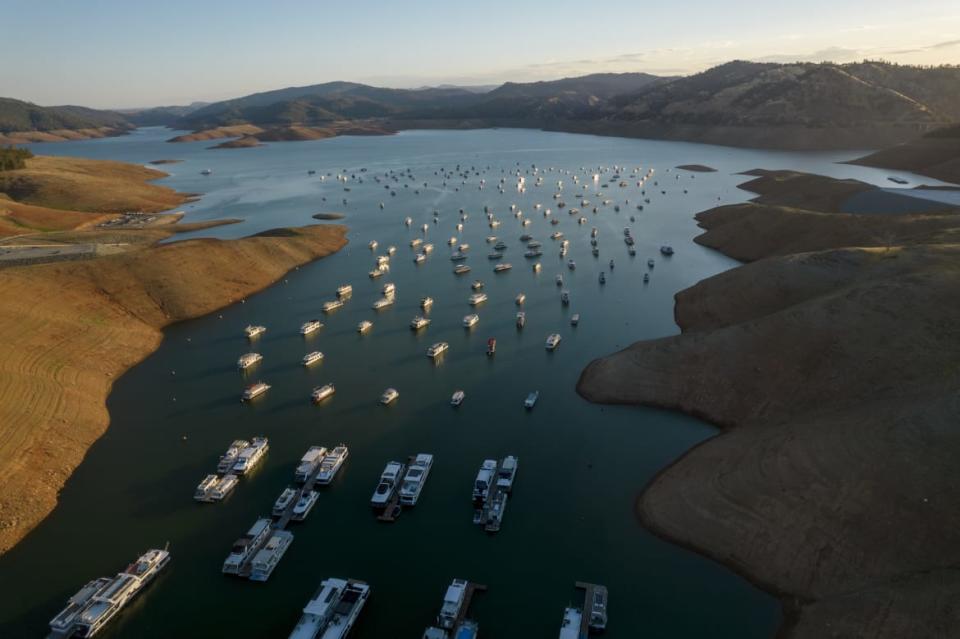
582, 466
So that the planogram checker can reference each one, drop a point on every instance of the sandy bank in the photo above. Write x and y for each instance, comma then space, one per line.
217, 133
72, 328
936, 155
834, 374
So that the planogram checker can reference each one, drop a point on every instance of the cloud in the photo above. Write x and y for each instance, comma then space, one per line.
945, 45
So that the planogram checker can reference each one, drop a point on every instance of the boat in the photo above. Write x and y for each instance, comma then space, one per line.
203, 489
533, 253
470, 320
427, 248
457, 398
496, 255
320, 393
308, 499
415, 242
389, 396
452, 241
426, 303
507, 473
598, 609
382, 303
571, 265
312, 358
575, 319
332, 305
565, 297
559, 279
244, 547
484, 481
419, 258
453, 601
553, 340
521, 319
389, 480
228, 459
531, 399
437, 349
495, 512
206, 172
267, 558
477, 298
253, 391
415, 478
477, 285
458, 256
309, 327
570, 627
526, 237
460, 269
391, 250
520, 299
248, 360
537, 267
556, 235
898, 180
463, 248
500, 246
283, 502
373, 245
419, 322
500, 268
603, 278
595, 251
650, 263
309, 463
331, 463
408, 221
534, 244
377, 272
253, 332
100, 600
251, 456
364, 326
646, 278
491, 346
666, 250
389, 289
611, 265
632, 251
333, 610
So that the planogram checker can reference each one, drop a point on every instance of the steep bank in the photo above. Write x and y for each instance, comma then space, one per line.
72, 328
833, 373
936, 155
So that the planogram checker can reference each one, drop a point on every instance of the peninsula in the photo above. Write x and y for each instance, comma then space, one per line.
72, 327
829, 361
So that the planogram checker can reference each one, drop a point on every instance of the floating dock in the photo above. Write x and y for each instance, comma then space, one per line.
472, 588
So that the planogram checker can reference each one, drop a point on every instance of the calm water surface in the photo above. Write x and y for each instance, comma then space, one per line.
581, 466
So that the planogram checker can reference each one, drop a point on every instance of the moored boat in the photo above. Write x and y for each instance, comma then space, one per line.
389, 396
333, 610
531, 399
312, 358
249, 360
310, 327
457, 398
471, 320
331, 464
267, 558
320, 393
415, 478
389, 482
437, 349
253, 391
253, 331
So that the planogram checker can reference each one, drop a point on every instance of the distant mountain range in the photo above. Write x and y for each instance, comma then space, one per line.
794, 106
16, 115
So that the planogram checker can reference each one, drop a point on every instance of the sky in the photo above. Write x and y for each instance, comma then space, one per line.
130, 53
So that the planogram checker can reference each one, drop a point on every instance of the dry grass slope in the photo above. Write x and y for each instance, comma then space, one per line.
70, 329
834, 372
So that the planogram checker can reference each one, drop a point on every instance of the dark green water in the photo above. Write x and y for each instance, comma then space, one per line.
581, 465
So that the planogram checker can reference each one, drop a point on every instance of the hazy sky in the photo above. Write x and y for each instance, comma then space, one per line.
128, 53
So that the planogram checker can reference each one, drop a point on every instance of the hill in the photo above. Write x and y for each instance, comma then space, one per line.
22, 121
793, 105
936, 154
829, 363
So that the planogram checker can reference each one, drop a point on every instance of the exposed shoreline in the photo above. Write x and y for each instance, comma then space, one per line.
825, 362
93, 320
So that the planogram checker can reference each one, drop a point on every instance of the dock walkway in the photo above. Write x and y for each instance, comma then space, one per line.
587, 605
